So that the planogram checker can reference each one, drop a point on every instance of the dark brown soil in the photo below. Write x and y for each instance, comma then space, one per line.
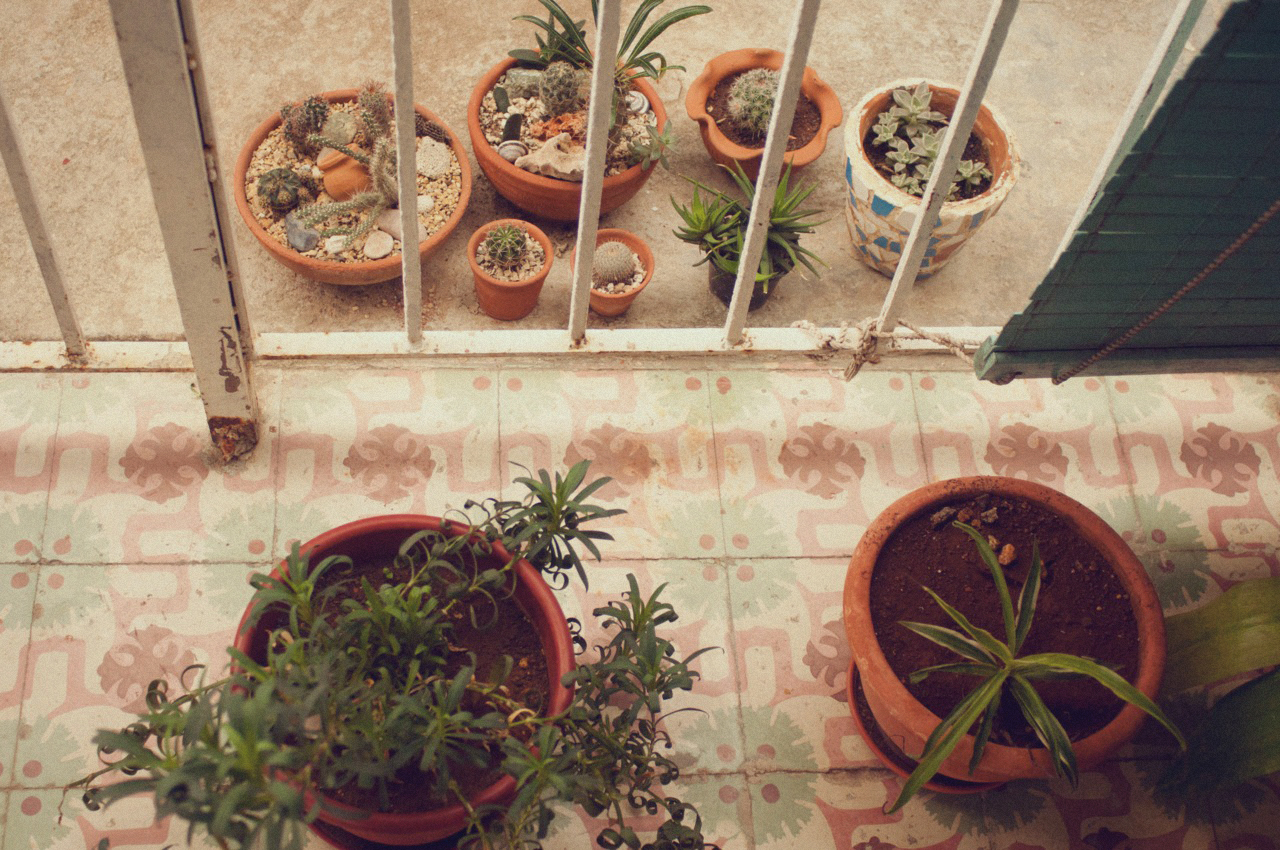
804, 126
973, 149
1083, 609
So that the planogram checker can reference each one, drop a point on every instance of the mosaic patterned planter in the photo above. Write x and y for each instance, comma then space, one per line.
880, 215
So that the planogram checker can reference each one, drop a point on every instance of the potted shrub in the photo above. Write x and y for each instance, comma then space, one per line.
732, 101
343, 142
383, 666
623, 267
510, 260
717, 225
535, 103
890, 144
943, 642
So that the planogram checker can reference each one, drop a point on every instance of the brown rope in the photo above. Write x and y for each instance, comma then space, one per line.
1235, 246
865, 350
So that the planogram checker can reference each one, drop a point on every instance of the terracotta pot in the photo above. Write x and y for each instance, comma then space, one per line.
542, 196
907, 722
726, 152
504, 299
880, 215
331, 271
721, 286
380, 537
344, 176
615, 304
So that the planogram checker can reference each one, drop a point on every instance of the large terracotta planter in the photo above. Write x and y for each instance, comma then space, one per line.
504, 299
331, 271
379, 537
543, 196
880, 215
726, 152
615, 304
907, 722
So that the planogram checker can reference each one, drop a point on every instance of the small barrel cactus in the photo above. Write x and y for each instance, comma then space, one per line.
563, 88
614, 263
278, 189
505, 246
751, 100
302, 121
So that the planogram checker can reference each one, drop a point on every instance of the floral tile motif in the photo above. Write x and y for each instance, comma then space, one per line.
648, 431
28, 424
144, 486
807, 460
47, 820
354, 445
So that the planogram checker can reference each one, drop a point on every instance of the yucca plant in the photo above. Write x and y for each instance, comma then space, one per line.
1000, 671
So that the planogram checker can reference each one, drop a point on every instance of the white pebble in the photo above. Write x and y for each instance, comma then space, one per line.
378, 245
335, 244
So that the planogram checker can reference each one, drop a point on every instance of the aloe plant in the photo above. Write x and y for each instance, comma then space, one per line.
1000, 670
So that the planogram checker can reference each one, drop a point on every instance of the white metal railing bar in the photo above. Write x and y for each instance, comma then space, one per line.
604, 61
963, 116
784, 107
11, 153
407, 166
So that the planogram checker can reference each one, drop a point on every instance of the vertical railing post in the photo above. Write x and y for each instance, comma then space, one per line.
784, 107
407, 167
604, 61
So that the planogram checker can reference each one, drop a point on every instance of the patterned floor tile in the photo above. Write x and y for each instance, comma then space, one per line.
135, 478
807, 459
17, 597
360, 444
649, 431
46, 820
28, 424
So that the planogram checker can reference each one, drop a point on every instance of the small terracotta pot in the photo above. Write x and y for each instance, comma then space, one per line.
344, 176
906, 722
503, 299
880, 215
615, 304
380, 537
726, 152
536, 194
331, 271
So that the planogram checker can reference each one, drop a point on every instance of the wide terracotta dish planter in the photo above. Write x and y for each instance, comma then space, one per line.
505, 299
727, 152
880, 215
331, 271
379, 537
615, 304
907, 722
537, 194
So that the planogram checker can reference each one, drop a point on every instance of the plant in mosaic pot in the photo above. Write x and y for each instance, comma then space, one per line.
732, 101
890, 145
527, 115
402, 679
510, 260
716, 223
1091, 599
317, 186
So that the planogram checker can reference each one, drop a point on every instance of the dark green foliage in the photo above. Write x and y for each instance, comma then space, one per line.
280, 189
302, 121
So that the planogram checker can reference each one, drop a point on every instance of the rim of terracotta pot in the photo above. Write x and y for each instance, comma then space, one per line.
720, 146
331, 271
990, 125
543, 609
511, 288
538, 194
901, 715
616, 303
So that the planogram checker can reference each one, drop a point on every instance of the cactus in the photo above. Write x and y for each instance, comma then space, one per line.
381, 195
751, 100
302, 121
278, 189
511, 127
376, 113
563, 88
505, 246
423, 126
501, 100
614, 263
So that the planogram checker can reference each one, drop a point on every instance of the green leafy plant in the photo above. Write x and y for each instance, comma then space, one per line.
1001, 671
363, 680
908, 135
717, 224
653, 148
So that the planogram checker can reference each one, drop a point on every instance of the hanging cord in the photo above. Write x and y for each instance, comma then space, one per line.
1177, 296
864, 351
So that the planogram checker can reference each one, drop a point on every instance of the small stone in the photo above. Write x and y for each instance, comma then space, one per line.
558, 157
637, 102
340, 127
301, 237
426, 204
942, 517
378, 245
388, 221
512, 149
523, 82
335, 244
434, 158
1007, 555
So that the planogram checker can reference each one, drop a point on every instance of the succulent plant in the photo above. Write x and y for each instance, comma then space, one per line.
302, 121
751, 100
505, 246
909, 135
614, 263
563, 88
376, 113
279, 189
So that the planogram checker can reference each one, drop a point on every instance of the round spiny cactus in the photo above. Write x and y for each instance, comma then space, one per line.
505, 246
751, 100
614, 263
278, 189
563, 88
